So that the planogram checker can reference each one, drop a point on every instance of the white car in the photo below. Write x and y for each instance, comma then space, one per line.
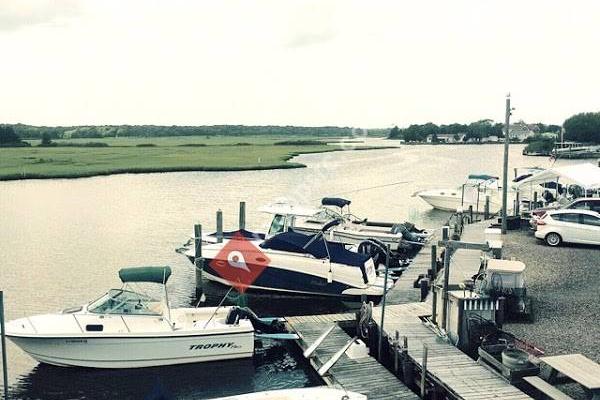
573, 226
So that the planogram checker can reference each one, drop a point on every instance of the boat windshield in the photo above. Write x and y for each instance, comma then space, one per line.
120, 301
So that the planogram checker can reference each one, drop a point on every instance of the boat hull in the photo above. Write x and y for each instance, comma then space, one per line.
135, 352
315, 393
449, 202
316, 286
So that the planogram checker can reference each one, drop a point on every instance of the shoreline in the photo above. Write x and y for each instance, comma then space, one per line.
285, 164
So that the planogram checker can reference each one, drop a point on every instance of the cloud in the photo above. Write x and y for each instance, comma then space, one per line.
310, 24
303, 39
19, 14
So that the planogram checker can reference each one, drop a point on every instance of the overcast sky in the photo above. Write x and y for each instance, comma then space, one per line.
362, 64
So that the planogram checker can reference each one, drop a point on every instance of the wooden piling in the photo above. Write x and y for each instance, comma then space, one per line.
517, 204
486, 210
242, 224
434, 304
3, 344
396, 351
219, 226
445, 289
424, 286
424, 371
408, 372
535, 201
471, 213
433, 261
198, 260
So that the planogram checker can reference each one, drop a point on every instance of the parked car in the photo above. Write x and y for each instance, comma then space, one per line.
584, 203
569, 225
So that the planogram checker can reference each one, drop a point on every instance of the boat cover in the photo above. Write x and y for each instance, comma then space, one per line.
294, 242
335, 201
482, 177
145, 274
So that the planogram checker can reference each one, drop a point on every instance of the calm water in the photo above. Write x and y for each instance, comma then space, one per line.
63, 241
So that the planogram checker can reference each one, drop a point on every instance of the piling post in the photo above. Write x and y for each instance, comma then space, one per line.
219, 226
535, 201
445, 233
486, 208
408, 373
434, 304
447, 253
471, 213
3, 344
433, 261
242, 215
517, 204
424, 286
501, 312
424, 371
396, 351
385, 281
198, 260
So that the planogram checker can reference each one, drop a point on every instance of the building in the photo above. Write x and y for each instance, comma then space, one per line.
519, 131
447, 138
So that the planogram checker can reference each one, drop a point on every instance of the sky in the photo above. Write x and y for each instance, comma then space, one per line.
362, 64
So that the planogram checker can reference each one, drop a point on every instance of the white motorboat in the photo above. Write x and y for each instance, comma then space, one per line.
472, 193
292, 263
314, 393
342, 226
129, 329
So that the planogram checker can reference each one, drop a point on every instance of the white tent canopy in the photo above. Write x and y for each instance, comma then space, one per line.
585, 175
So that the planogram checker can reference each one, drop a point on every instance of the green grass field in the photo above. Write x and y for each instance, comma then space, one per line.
220, 153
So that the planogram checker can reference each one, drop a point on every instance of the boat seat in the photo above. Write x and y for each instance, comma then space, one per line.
546, 389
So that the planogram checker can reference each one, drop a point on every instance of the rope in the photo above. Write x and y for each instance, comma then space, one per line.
366, 188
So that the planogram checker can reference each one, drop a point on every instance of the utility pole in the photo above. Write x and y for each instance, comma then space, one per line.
505, 170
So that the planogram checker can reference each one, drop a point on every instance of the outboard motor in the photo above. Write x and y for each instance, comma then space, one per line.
237, 313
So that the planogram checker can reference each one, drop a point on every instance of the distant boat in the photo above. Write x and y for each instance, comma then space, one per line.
315, 393
471, 193
128, 329
576, 150
400, 236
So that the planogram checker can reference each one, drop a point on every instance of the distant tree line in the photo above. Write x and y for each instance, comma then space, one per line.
583, 127
72, 132
474, 131
10, 138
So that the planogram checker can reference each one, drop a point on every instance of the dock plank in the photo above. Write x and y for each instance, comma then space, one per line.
364, 375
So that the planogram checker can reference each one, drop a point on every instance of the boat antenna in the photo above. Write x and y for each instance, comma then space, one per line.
166, 294
217, 308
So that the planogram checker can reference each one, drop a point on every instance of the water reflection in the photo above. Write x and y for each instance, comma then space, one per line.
274, 365
63, 242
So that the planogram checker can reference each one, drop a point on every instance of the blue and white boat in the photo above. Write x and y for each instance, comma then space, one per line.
295, 264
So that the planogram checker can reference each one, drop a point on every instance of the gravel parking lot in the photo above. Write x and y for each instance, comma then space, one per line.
564, 284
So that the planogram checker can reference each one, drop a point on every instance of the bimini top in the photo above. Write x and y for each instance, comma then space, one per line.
482, 177
294, 242
145, 274
335, 201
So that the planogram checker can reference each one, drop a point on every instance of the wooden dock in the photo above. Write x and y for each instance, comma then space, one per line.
449, 368
364, 375
448, 371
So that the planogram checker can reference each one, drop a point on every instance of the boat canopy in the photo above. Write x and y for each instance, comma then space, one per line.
295, 242
335, 201
585, 175
482, 177
145, 274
